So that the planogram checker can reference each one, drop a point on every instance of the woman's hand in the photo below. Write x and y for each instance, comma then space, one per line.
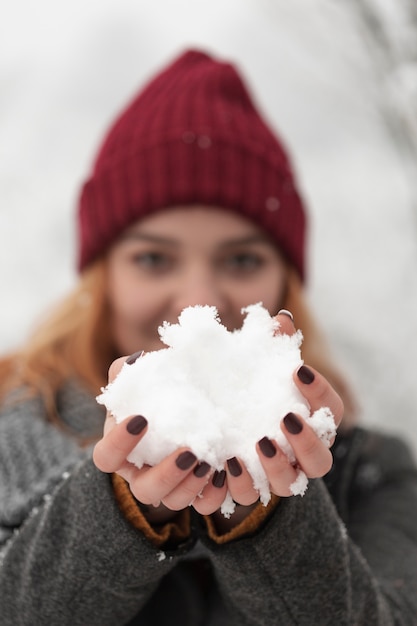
313, 456
180, 479
167, 487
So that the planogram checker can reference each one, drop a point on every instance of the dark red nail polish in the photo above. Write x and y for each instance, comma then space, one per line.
185, 460
305, 375
201, 469
136, 424
293, 424
134, 357
218, 478
234, 466
267, 447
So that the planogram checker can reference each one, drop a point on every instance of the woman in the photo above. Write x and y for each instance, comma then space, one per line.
191, 201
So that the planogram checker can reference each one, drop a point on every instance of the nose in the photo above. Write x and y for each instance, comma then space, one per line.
199, 286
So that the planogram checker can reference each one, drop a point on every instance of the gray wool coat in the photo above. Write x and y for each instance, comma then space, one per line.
344, 554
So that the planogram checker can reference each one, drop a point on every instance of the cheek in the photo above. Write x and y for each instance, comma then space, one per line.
131, 301
123, 296
270, 290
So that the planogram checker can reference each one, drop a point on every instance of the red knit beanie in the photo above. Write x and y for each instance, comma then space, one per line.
191, 136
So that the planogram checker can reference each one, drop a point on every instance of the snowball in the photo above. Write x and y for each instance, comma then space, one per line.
216, 392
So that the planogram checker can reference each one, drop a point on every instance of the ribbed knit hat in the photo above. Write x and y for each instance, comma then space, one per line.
191, 136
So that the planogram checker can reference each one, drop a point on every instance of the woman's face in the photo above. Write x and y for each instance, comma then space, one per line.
186, 256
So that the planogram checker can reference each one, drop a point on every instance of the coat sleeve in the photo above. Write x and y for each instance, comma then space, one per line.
306, 566
68, 554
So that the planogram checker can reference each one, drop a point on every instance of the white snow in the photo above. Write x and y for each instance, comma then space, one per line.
216, 392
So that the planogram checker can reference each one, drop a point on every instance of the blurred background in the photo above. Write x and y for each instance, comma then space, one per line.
338, 80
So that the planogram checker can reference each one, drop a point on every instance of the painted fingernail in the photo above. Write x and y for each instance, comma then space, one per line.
134, 357
267, 447
136, 424
293, 424
185, 460
201, 469
218, 478
287, 313
234, 466
305, 374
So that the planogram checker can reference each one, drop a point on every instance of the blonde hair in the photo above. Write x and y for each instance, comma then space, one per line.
75, 341
72, 341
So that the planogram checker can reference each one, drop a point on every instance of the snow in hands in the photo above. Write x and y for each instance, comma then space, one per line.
216, 392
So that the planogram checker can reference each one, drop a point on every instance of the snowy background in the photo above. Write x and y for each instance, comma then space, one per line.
339, 82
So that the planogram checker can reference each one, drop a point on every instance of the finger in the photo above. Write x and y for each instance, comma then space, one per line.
318, 391
117, 365
115, 368
313, 456
213, 494
161, 479
279, 471
110, 452
240, 483
109, 423
185, 493
285, 321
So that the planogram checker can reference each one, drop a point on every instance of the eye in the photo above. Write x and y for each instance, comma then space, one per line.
243, 262
153, 261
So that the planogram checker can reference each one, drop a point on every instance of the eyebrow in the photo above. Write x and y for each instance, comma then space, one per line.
149, 237
247, 240
228, 243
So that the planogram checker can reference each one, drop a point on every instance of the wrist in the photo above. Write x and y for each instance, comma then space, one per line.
223, 524
246, 521
156, 515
